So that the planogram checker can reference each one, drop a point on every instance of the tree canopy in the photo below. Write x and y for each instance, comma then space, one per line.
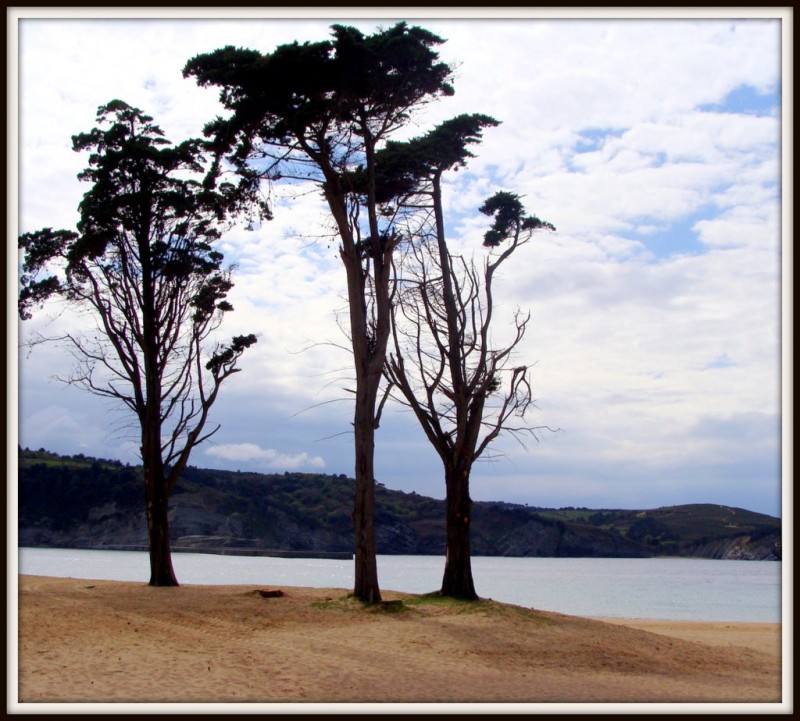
318, 112
143, 263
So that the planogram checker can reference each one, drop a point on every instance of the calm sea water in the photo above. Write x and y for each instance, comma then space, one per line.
659, 588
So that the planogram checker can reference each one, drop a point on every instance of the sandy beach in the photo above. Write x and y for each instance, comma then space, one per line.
109, 641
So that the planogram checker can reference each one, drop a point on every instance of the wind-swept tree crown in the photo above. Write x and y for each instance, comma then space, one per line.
143, 262
403, 166
141, 211
364, 82
509, 218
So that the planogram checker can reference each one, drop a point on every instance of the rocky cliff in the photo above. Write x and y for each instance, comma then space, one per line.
747, 547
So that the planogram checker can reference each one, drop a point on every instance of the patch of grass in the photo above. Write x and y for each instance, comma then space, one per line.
350, 603
389, 606
338, 604
437, 599
487, 607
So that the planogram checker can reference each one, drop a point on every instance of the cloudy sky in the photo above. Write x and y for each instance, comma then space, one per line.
652, 144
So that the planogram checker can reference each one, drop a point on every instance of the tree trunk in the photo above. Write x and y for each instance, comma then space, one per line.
157, 500
457, 581
366, 565
369, 351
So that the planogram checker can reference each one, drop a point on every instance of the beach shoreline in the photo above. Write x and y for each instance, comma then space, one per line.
86, 641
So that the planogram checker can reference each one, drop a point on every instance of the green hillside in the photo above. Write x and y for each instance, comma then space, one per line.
85, 502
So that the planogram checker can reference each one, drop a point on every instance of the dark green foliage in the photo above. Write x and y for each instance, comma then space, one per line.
508, 210
598, 518
40, 247
353, 83
57, 493
402, 167
650, 530
223, 361
141, 221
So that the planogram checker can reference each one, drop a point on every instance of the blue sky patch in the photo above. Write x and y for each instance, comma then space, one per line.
747, 100
721, 361
593, 139
673, 237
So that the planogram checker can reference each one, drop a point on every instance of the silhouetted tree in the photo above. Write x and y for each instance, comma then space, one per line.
142, 262
316, 112
444, 362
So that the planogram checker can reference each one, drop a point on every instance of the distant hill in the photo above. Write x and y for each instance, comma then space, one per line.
81, 502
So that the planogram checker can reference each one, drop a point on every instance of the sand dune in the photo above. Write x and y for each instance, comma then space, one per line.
104, 641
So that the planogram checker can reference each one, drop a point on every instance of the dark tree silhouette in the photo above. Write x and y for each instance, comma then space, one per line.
143, 264
444, 363
316, 112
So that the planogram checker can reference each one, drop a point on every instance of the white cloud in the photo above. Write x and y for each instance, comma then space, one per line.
252, 453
